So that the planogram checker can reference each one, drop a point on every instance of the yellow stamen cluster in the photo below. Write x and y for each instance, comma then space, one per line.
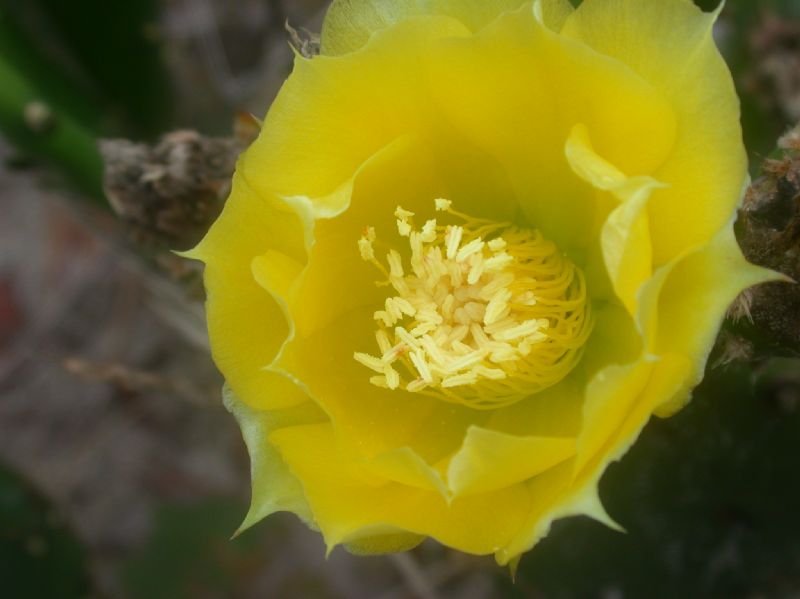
488, 314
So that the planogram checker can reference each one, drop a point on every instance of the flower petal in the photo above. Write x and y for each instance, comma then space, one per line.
617, 375
554, 412
610, 397
275, 489
568, 490
548, 492
349, 24
347, 504
625, 236
670, 44
336, 279
531, 86
666, 378
370, 419
408, 172
380, 543
615, 340
245, 324
361, 103
489, 460
688, 304
405, 466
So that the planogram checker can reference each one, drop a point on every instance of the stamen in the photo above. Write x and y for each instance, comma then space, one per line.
369, 361
392, 377
429, 231
487, 315
384, 343
442, 205
366, 249
395, 264
453, 239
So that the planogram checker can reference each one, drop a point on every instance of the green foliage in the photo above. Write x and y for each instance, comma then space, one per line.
116, 47
39, 557
45, 130
93, 66
24, 52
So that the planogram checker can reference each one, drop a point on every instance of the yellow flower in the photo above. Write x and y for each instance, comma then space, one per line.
476, 246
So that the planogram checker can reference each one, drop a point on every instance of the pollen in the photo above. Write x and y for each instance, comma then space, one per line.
481, 313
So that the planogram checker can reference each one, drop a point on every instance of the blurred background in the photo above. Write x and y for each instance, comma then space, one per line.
121, 475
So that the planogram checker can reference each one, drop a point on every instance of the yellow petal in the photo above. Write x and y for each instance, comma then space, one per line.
531, 86
525, 432
617, 373
667, 379
372, 420
380, 544
569, 490
554, 412
336, 280
693, 297
407, 172
625, 235
347, 507
277, 273
489, 460
555, 497
600, 173
610, 397
349, 24
548, 493
275, 489
362, 102
245, 324
670, 44
615, 340
405, 466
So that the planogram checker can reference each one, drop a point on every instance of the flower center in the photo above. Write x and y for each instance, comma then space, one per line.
488, 314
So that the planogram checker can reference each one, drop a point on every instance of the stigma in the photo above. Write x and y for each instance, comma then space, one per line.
480, 313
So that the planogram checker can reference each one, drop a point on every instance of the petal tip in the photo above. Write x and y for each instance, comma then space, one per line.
195, 253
